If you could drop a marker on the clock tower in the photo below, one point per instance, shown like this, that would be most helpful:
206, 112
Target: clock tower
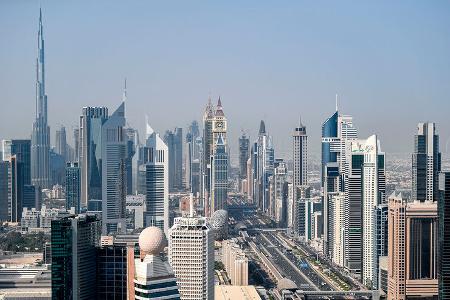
219, 125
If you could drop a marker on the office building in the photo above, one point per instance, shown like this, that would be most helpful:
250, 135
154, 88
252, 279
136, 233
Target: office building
90, 152
278, 197
157, 183
22, 150
383, 274
219, 176
4, 190
444, 235
412, 249
73, 186
61, 143
114, 187
40, 138
365, 190
208, 119
300, 155
111, 272
76, 144
265, 157
338, 217
73, 242
153, 277
244, 154
192, 157
174, 142
191, 255
235, 262
426, 163
302, 195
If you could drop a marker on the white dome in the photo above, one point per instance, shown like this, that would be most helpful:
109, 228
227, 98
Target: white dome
152, 240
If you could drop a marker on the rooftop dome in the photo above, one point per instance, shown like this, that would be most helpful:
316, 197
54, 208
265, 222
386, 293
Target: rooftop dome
286, 284
152, 240
219, 218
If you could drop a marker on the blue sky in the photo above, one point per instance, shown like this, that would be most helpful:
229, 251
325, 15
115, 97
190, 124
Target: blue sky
389, 62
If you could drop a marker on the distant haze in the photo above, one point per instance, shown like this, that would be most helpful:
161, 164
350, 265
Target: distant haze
389, 62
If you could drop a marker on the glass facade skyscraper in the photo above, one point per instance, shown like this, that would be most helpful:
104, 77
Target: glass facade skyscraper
40, 138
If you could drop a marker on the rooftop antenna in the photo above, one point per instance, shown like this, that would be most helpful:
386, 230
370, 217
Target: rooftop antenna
124, 97
336, 102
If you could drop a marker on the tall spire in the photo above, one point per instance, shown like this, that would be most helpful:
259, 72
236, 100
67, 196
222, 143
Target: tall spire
124, 97
336, 102
41, 97
40, 138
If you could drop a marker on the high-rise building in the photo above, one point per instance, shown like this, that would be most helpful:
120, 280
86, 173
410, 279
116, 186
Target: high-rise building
278, 199
444, 235
412, 248
61, 142
40, 138
235, 262
76, 144
426, 163
192, 156
219, 176
153, 277
157, 183
338, 221
208, 119
111, 272
191, 255
244, 154
73, 186
73, 242
114, 187
22, 150
300, 155
4, 190
337, 130
265, 157
365, 191
174, 142
90, 152
302, 195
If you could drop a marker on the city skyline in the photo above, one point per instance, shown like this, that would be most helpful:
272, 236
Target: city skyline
306, 89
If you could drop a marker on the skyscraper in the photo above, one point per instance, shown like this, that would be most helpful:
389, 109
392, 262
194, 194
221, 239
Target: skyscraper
73, 186
244, 151
114, 187
90, 152
412, 248
300, 155
444, 235
4, 190
174, 142
193, 268
40, 138
208, 119
192, 156
219, 178
365, 191
76, 144
265, 157
337, 130
157, 183
73, 242
426, 163
22, 150
61, 142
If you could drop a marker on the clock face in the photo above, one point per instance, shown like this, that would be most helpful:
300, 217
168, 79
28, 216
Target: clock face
219, 124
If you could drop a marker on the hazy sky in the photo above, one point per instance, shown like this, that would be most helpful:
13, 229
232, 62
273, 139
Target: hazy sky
389, 62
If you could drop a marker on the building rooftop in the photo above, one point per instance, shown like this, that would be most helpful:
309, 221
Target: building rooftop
233, 292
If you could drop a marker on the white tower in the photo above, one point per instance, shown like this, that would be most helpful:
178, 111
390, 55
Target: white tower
191, 255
